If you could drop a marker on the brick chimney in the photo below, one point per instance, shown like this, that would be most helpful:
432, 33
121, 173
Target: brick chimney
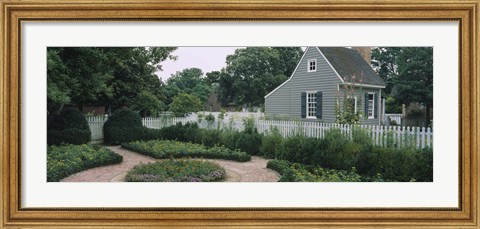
365, 52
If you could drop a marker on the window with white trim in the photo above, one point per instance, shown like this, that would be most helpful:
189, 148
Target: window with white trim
371, 105
312, 65
311, 104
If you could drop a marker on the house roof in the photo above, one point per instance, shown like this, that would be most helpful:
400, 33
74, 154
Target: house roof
348, 62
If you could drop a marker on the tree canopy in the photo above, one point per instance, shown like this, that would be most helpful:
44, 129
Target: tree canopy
189, 81
102, 75
253, 72
408, 72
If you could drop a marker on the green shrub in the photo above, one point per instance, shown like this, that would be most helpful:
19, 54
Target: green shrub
185, 133
333, 155
210, 117
167, 149
76, 136
176, 171
296, 172
184, 104
210, 137
70, 127
228, 138
300, 149
125, 125
397, 164
272, 144
424, 165
361, 136
63, 161
248, 140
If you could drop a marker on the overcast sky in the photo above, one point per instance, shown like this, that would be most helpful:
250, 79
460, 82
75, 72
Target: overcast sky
206, 58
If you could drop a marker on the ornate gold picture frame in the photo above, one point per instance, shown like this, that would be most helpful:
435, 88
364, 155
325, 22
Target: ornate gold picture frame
14, 13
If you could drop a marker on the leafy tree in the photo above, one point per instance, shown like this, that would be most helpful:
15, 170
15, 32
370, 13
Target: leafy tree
58, 90
226, 91
102, 76
289, 57
77, 75
147, 104
256, 71
384, 61
415, 80
134, 71
189, 81
185, 104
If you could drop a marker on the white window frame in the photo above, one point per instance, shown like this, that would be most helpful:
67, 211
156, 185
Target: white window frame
308, 65
307, 107
373, 106
355, 103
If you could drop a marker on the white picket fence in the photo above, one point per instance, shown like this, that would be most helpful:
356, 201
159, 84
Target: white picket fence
399, 136
395, 117
96, 126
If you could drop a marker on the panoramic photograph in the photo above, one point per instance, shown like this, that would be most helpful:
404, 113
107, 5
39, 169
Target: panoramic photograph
240, 114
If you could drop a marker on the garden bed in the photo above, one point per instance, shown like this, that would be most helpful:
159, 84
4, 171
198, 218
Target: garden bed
176, 170
63, 161
162, 149
296, 172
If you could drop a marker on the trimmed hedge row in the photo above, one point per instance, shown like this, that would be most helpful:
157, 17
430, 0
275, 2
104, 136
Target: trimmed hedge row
296, 172
63, 161
334, 151
248, 140
175, 170
69, 127
162, 149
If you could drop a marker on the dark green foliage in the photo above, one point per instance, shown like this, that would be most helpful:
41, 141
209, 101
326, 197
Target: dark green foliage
76, 136
63, 161
361, 136
210, 137
290, 147
185, 133
70, 127
124, 118
249, 140
125, 125
210, 118
424, 165
272, 144
332, 154
295, 172
228, 138
335, 151
167, 149
397, 164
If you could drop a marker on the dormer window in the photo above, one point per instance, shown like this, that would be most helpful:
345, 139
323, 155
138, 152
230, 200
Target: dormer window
312, 65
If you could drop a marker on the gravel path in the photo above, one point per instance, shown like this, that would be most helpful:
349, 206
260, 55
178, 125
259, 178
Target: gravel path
251, 171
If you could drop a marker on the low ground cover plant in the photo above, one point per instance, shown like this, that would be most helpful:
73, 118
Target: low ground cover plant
176, 170
63, 161
162, 149
296, 172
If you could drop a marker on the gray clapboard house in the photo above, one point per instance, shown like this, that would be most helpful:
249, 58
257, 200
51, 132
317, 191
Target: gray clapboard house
316, 86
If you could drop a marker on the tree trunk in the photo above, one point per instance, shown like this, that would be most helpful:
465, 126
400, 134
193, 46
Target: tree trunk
427, 116
80, 107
